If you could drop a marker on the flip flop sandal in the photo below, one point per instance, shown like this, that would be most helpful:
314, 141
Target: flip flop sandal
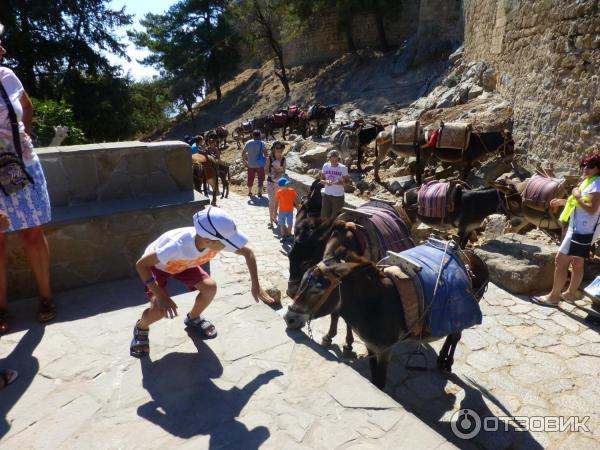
4, 322
47, 310
140, 344
540, 301
203, 325
8, 376
567, 300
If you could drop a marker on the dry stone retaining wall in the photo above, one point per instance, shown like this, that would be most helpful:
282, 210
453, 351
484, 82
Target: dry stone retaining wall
547, 57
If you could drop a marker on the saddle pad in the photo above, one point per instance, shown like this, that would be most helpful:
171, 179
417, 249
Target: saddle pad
279, 118
412, 303
432, 199
247, 125
454, 135
406, 133
293, 111
540, 190
451, 307
386, 229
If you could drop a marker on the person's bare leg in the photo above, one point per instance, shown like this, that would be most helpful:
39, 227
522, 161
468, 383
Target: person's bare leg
576, 278
282, 231
561, 272
3, 269
207, 290
38, 254
289, 230
150, 315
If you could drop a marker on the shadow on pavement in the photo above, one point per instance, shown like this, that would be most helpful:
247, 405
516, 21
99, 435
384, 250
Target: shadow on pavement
186, 403
424, 393
22, 360
258, 201
87, 302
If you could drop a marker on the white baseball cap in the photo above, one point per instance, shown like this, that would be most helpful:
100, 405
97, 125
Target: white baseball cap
215, 224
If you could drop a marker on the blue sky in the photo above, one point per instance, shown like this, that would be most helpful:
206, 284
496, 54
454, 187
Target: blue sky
139, 8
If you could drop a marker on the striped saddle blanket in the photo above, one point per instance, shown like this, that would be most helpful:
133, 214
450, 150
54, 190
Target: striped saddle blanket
384, 230
540, 190
436, 199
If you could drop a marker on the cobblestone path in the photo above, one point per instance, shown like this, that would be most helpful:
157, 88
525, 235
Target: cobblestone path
524, 360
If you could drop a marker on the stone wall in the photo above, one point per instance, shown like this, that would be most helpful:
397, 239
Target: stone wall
79, 174
547, 57
109, 201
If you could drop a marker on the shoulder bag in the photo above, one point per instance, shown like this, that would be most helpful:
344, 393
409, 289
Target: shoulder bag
13, 175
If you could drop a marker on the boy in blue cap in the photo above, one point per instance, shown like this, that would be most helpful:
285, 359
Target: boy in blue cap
285, 202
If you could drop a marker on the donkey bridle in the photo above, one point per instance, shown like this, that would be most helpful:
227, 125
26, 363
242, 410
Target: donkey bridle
334, 283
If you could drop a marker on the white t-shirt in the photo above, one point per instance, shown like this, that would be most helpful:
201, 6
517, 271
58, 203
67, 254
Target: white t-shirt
335, 174
15, 90
582, 221
176, 251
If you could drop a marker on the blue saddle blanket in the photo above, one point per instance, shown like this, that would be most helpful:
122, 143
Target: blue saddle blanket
451, 307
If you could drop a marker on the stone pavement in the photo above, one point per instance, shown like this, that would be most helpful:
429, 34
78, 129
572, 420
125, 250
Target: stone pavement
523, 360
257, 385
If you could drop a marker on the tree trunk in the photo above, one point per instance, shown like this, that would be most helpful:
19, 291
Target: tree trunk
349, 38
381, 31
217, 84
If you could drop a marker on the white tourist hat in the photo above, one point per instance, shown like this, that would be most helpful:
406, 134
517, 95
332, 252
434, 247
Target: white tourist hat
214, 223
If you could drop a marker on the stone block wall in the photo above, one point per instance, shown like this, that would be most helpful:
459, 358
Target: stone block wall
79, 174
547, 57
109, 201
324, 42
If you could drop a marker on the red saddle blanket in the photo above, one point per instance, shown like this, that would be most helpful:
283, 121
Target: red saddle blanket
540, 190
279, 118
436, 199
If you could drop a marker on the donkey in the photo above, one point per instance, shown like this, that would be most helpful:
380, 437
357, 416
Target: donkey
207, 171
359, 138
369, 302
310, 207
471, 207
325, 239
481, 145
321, 116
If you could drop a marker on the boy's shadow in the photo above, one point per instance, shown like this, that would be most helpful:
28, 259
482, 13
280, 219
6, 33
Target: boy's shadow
22, 360
186, 403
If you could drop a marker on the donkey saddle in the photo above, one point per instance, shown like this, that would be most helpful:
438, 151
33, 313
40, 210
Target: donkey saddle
436, 198
441, 284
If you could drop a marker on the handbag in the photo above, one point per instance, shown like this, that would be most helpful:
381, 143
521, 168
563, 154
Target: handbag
581, 243
13, 175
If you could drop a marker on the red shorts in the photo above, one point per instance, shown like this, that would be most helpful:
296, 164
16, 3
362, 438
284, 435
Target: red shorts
190, 277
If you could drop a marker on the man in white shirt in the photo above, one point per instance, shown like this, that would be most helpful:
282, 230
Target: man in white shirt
334, 177
179, 254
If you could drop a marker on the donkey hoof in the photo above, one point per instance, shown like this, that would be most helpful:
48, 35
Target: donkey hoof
326, 341
348, 353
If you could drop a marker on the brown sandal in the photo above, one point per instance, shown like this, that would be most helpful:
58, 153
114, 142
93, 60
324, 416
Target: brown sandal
47, 310
4, 322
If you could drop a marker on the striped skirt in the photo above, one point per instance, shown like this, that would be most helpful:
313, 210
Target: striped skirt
29, 207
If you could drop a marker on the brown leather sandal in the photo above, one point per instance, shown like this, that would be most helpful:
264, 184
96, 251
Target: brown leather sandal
47, 310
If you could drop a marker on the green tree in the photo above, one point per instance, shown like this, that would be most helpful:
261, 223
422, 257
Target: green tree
192, 43
48, 40
150, 101
263, 22
49, 114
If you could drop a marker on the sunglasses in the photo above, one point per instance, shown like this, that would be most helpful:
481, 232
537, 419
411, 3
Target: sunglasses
588, 166
278, 148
